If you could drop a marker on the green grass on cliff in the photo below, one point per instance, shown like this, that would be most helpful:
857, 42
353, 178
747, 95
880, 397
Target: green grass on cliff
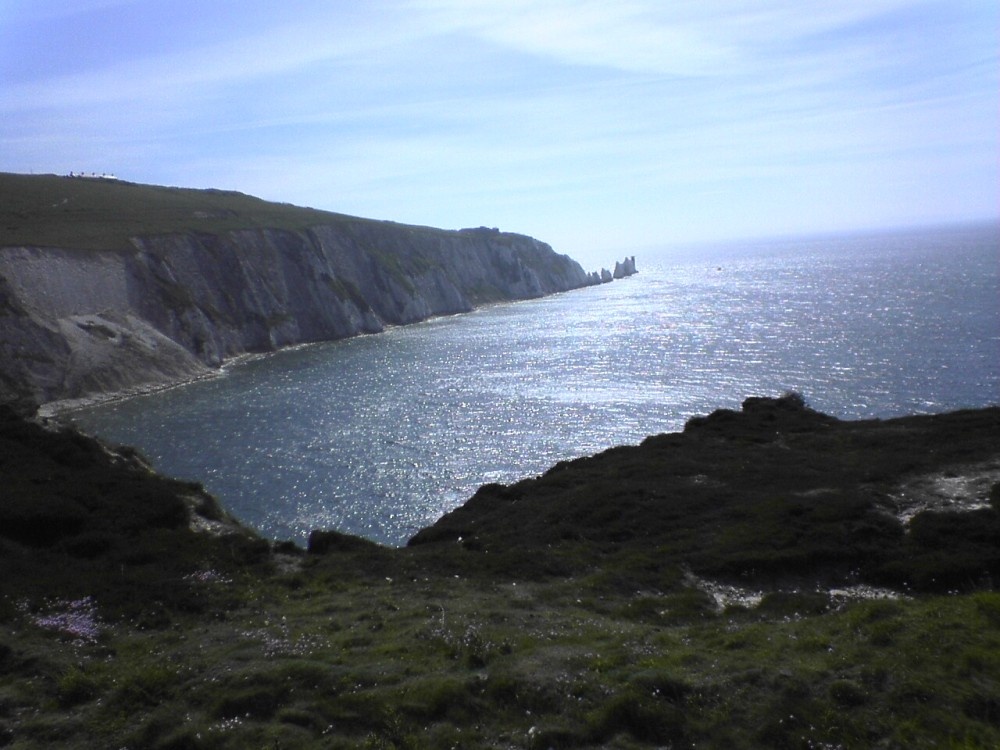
610, 603
331, 657
94, 214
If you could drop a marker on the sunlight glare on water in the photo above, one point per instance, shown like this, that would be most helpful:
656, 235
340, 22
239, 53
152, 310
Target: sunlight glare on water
380, 435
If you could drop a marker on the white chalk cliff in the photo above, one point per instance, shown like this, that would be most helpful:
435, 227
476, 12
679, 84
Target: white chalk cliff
80, 323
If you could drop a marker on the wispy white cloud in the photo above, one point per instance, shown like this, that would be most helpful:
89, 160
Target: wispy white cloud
704, 38
627, 36
655, 117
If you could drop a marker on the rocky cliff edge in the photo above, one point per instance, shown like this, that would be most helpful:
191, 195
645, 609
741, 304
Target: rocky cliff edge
160, 308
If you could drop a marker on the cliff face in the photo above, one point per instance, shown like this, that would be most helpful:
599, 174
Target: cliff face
79, 323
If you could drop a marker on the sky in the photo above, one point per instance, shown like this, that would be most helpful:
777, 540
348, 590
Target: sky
600, 127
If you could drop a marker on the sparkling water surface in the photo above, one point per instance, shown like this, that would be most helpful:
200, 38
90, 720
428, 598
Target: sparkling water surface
380, 435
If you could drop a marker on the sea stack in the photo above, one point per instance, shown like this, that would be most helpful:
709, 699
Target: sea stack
625, 268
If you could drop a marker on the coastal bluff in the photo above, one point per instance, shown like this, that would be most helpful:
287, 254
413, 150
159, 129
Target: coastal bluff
110, 286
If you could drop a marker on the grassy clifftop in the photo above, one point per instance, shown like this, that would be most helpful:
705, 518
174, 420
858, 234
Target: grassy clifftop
96, 214
100, 214
769, 578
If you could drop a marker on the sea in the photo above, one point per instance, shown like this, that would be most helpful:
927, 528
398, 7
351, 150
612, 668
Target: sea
380, 435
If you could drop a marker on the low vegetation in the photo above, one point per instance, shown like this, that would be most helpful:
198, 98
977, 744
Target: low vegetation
94, 214
90, 213
769, 578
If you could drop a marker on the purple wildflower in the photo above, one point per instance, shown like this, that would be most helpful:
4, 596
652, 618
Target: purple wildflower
76, 619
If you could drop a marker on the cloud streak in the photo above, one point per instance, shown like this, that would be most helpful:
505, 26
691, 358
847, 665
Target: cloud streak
570, 120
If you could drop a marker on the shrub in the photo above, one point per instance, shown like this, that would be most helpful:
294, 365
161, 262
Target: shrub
793, 399
555, 736
256, 701
439, 698
988, 604
76, 687
641, 715
327, 542
848, 693
146, 686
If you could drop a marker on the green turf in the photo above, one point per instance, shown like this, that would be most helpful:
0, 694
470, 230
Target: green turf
94, 214
684, 593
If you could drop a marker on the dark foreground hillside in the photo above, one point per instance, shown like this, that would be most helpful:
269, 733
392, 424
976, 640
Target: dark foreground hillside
768, 578
774, 495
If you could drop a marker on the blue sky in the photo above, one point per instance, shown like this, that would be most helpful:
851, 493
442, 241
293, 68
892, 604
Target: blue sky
600, 127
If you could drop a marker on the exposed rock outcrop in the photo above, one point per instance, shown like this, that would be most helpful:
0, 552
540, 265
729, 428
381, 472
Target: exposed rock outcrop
80, 323
624, 268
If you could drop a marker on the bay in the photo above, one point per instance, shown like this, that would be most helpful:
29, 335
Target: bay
380, 435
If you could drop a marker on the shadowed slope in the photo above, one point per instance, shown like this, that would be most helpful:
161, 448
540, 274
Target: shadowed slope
774, 492
592, 607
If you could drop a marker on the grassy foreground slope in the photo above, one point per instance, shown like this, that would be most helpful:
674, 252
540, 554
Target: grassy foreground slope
768, 578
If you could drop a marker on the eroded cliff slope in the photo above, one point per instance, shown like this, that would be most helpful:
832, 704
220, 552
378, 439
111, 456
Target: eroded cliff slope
165, 284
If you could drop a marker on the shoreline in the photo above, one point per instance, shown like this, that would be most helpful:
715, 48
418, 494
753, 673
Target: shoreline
55, 409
